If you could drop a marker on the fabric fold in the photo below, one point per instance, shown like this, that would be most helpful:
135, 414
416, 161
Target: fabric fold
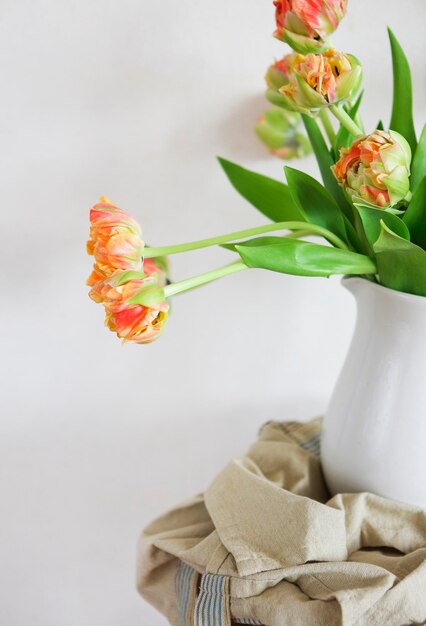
290, 531
266, 536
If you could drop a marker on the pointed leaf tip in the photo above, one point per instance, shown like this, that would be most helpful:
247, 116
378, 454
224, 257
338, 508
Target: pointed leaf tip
269, 196
402, 105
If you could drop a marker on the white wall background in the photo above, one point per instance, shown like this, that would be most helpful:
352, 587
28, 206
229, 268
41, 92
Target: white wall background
133, 99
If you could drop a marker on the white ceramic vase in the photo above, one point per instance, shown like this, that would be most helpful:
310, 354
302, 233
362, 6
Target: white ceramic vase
374, 436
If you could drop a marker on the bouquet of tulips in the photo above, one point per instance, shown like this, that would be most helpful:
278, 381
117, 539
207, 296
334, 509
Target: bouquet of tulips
370, 210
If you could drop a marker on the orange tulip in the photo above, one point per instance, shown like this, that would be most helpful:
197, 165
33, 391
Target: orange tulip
135, 306
115, 241
375, 169
158, 268
278, 74
317, 81
306, 24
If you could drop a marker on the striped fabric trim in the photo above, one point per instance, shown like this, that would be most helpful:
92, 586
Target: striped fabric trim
306, 435
212, 608
247, 620
186, 591
312, 445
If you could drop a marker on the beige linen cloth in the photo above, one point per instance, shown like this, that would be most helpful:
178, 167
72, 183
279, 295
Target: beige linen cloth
265, 545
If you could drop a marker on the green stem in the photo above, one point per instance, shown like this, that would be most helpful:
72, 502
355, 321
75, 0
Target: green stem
298, 234
312, 229
345, 120
359, 122
328, 126
203, 279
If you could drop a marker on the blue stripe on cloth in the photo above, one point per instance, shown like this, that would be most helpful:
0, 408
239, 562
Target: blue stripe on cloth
186, 581
247, 620
212, 608
312, 445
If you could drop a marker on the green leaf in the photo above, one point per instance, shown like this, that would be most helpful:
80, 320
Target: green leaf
292, 256
269, 196
415, 215
315, 202
418, 166
401, 264
372, 218
325, 162
258, 241
380, 125
344, 138
402, 108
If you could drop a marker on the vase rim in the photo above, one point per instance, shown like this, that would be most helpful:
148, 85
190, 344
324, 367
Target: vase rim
400, 295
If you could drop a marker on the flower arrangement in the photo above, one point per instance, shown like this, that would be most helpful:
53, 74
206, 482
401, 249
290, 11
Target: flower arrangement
370, 210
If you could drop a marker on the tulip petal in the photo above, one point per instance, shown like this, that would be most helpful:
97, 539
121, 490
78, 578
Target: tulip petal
404, 145
398, 184
277, 98
290, 104
311, 97
304, 44
151, 295
348, 83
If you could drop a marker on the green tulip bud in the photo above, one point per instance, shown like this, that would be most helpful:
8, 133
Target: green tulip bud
277, 129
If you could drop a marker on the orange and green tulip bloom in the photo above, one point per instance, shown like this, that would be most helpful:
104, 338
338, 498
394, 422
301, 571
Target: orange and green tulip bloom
115, 241
375, 169
306, 24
